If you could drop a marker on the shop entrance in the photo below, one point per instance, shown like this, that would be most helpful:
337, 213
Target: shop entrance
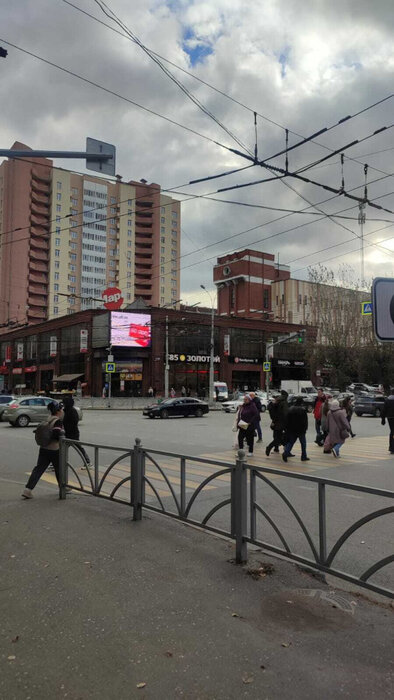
245, 381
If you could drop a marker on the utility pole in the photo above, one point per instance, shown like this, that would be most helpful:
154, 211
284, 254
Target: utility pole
361, 221
167, 366
110, 358
212, 348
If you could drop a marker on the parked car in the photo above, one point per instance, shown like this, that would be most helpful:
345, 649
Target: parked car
5, 399
29, 409
356, 387
370, 404
232, 406
177, 407
308, 400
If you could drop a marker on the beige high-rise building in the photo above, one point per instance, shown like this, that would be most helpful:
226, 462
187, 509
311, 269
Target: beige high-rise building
65, 238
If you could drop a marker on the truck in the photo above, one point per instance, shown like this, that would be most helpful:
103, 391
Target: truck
295, 386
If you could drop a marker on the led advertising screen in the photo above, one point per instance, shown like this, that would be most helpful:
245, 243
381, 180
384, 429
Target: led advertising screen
130, 330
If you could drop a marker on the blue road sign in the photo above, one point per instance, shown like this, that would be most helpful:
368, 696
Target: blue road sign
110, 367
366, 308
267, 366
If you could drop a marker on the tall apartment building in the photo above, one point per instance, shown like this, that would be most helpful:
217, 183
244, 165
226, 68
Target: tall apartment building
65, 238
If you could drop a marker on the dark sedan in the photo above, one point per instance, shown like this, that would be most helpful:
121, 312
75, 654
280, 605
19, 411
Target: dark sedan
308, 400
177, 407
371, 405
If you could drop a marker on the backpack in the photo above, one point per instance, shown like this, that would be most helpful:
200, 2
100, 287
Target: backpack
43, 433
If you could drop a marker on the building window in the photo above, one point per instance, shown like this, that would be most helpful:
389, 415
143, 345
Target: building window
163, 221
113, 200
56, 287
74, 201
73, 256
73, 246
162, 270
59, 185
58, 196
58, 219
129, 244
56, 275
57, 241
56, 298
74, 234
58, 207
162, 229
129, 233
74, 190
57, 253
162, 239
161, 300
129, 222
129, 202
113, 210
162, 290
128, 296
71, 301
162, 210
55, 310
57, 265
57, 229
277, 300
162, 249
162, 260
128, 286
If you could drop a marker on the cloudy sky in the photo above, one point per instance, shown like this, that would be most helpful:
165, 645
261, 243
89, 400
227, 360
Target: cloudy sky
301, 66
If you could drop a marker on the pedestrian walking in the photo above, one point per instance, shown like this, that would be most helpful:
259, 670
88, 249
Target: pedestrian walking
150, 392
297, 425
183, 391
338, 428
388, 414
172, 392
278, 410
348, 406
188, 391
259, 407
47, 436
70, 425
246, 419
317, 409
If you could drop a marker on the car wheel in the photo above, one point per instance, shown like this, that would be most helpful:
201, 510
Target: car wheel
358, 414
150, 416
377, 413
263, 409
164, 413
22, 421
198, 413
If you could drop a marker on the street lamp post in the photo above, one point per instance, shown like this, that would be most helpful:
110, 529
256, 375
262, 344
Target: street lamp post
211, 356
167, 366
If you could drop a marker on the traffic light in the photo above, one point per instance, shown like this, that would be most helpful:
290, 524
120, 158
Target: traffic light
3, 52
301, 336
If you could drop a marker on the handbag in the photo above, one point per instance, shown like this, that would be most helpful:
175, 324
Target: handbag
243, 424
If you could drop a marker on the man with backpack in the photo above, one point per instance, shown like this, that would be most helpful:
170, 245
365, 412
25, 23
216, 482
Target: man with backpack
47, 437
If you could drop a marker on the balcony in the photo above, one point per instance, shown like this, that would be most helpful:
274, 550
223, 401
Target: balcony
36, 314
35, 278
39, 175
39, 187
39, 199
38, 243
38, 266
37, 301
142, 224
38, 255
39, 210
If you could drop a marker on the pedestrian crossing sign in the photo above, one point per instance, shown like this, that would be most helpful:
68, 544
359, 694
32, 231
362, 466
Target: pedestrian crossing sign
110, 367
366, 308
267, 366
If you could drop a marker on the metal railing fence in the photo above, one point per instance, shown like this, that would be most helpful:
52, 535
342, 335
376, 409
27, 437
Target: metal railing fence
137, 477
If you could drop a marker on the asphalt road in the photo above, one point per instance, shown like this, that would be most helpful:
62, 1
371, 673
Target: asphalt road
365, 460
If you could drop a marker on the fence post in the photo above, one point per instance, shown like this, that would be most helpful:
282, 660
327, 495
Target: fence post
63, 450
322, 524
137, 479
239, 508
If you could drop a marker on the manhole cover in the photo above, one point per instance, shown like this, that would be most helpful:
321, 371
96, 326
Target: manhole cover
309, 608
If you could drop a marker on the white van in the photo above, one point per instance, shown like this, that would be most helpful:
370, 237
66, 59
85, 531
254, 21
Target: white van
221, 391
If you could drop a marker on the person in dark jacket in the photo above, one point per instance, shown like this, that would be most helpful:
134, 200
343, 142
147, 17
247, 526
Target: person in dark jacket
247, 413
259, 407
388, 414
70, 423
49, 454
278, 410
297, 425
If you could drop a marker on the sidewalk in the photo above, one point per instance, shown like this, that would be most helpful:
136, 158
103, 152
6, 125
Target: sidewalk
92, 605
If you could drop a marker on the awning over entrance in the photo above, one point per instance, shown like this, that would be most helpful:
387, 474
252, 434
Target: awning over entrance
67, 377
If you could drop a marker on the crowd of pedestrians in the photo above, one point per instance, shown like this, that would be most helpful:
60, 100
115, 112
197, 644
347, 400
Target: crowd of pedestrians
289, 424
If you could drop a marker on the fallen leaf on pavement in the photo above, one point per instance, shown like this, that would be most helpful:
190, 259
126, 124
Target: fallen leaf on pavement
262, 666
11, 658
247, 679
169, 654
234, 615
15, 639
285, 644
141, 685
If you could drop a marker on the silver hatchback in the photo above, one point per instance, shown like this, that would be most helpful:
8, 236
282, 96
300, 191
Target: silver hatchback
29, 409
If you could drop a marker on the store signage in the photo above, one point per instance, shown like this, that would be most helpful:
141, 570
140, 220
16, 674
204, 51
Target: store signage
288, 363
83, 340
19, 351
29, 370
246, 360
53, 346
113, 299
226, 345
8, 353
17, 370
180, 357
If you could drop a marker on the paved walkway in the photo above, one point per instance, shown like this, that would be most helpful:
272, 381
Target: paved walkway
94, 606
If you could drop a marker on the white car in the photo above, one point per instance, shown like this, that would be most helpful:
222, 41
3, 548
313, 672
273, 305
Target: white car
232, 406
